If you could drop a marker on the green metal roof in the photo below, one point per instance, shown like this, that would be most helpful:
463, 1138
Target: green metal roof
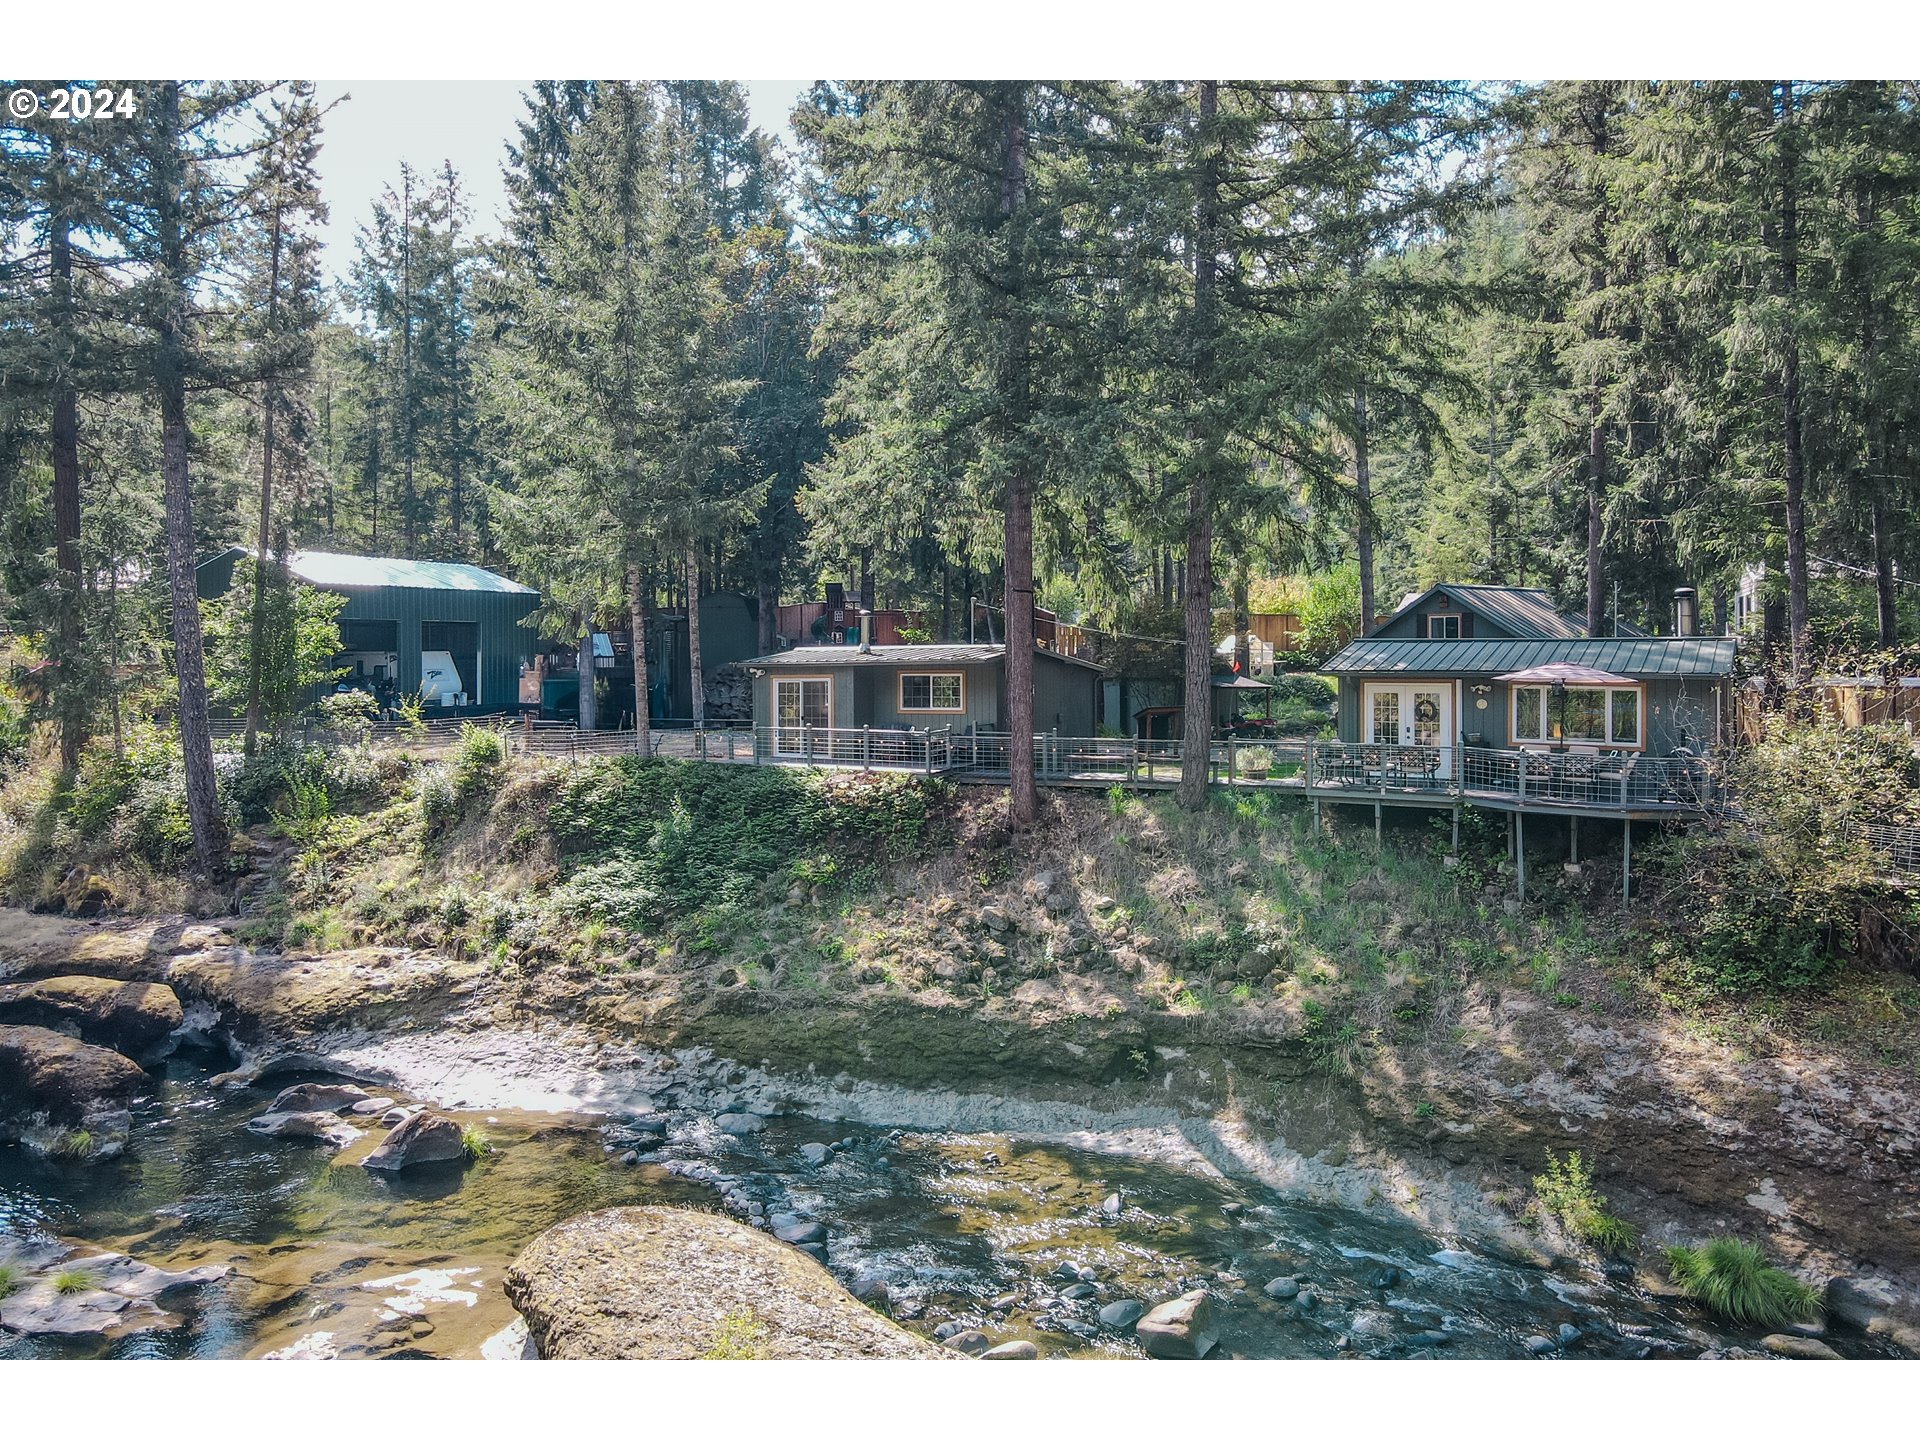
372, 572
1710, 655
1517, 609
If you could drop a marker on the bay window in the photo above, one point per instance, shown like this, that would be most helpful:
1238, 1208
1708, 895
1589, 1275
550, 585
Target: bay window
1583, 714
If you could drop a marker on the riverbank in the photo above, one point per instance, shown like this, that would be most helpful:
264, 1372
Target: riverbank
1355, 1025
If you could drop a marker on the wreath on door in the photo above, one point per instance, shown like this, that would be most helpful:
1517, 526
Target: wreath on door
1426, 710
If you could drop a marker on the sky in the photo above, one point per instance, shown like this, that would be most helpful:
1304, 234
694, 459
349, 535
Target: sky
426, 122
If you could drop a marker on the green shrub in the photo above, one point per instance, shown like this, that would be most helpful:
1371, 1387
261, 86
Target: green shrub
74, 1282
644, 840
1308, 691
1774, 899
474, 1143
348, 712
1732, 1279
477, 757
1566, 1192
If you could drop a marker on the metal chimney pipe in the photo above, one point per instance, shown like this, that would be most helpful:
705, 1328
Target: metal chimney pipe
1686, 611
866, 630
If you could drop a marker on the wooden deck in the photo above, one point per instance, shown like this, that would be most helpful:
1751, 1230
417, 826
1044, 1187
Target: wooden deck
1541, 782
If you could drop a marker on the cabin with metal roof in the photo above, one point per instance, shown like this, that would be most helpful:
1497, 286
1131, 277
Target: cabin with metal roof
1500, 667
959, 688
450, 633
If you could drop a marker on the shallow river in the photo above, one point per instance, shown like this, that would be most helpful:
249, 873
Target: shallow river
330, 1259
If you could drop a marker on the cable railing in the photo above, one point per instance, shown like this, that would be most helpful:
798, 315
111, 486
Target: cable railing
1331, 770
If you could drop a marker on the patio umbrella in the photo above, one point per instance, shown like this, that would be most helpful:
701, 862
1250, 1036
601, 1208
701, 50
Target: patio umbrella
1564, 672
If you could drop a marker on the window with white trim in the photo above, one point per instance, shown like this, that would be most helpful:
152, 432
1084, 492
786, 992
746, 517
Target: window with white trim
937, 691
1443, 627
1589, 714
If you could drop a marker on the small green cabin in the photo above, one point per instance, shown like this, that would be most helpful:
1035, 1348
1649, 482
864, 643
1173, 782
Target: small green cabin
917, 687
1503, 667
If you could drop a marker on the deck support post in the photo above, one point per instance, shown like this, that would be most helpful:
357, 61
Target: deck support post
1376, 824
1626, 861
866, 747
1318, 828
1456, 829
1573, 839
1230, 764
1520, 852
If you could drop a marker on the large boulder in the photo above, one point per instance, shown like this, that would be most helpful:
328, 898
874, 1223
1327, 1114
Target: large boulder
111, 1294
321, 1125
320, 1096
419, 1139
43, 1070
134, 1016
1180, 1329
654, 1283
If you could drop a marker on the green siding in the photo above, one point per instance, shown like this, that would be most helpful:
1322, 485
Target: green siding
1677, 711
504, 642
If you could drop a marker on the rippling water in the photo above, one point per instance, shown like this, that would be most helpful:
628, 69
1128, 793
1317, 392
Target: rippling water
954, 1224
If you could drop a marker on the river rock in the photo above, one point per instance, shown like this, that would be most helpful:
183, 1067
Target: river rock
321, 1125
118, 1301
796, 1231
1121, 1313
1110, 1205
43, 1070
1540, 1345
1799, 1347
419, 1139
1857, 1302
657, 1283
968, 1342
814, 1153
1082, 1291
318, 1096
1181, 1329
135, 1016
741, 1123
1012, 1350
1282, 1287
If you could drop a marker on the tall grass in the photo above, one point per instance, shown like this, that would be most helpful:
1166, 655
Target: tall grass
1732, 1279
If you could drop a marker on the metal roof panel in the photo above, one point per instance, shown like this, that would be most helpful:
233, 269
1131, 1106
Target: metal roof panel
1709, 655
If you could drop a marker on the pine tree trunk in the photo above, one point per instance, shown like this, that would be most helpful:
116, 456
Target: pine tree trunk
1363, 494
170, 362
1887, 615
1242, 642
66, 497
766, 599
1797, 637
637, 623
1596, 532
1197, 573
1017, 586
256, 640
583, 658
696, 673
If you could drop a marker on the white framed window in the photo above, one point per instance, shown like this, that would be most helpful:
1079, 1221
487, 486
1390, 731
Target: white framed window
1583, 714
935, 691
1443, 627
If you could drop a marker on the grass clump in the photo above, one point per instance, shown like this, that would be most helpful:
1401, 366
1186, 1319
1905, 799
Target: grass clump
9, 1280
1732, 1279
1566, 1192
74, 1282
474, 1143
740, 1336
74, 1145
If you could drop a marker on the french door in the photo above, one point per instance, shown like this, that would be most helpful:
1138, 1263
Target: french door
1419, 713
798, 706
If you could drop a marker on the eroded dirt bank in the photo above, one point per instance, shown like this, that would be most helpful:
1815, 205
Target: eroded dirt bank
1690, 1138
